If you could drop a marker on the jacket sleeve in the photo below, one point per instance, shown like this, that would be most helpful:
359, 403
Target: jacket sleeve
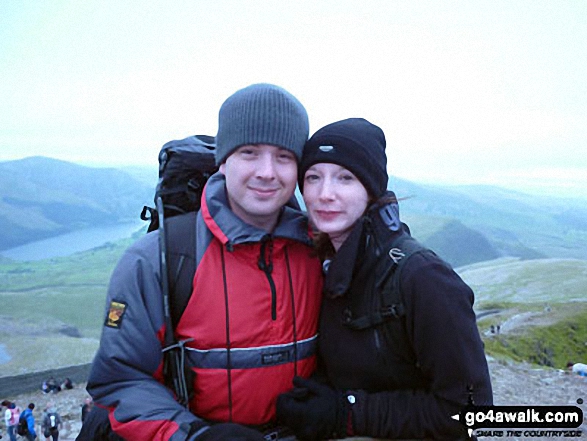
441, 326
124, 371
30, 420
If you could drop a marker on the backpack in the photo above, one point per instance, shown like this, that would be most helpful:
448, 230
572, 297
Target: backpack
14, 416
184, 168
23, 427
51, 420
400, 249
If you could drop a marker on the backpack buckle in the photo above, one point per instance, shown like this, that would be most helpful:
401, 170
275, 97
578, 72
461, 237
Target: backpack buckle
396, 255
392, 311
347, 316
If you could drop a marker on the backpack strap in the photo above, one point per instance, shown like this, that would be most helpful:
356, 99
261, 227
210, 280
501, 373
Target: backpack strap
400, 251
177, 246
181, 259
394, 256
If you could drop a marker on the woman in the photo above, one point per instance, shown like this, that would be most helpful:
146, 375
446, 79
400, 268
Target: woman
396, 362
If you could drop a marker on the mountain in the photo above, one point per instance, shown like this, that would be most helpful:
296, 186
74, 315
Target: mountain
511, 223
42, 197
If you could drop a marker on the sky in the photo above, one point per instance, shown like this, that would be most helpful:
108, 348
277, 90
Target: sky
467, 92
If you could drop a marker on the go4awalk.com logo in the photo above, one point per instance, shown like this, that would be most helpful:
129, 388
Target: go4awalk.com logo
522, 421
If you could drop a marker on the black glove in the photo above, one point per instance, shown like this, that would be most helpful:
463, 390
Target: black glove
230, 432
313, 410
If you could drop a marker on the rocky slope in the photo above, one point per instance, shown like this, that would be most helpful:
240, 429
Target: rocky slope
513, 384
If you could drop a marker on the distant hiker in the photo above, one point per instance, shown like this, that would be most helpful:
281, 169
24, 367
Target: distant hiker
11, 416
250, 325
492, 328
51, 423
498, 328
15, 412
7, 414
52, 385
577, 368
26, 423
86, 407
398, 341
67, 384
45, 387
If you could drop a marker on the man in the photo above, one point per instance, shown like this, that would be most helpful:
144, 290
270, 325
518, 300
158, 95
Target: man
577, 368
250, 324
27, 414
51, 424
87, 406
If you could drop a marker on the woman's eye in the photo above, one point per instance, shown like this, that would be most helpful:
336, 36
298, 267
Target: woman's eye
346, 177
310, 178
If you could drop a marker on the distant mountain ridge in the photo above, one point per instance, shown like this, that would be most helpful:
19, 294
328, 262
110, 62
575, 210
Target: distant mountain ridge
42, 197
513, 223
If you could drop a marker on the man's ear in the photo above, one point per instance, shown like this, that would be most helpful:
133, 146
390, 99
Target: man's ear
222, 168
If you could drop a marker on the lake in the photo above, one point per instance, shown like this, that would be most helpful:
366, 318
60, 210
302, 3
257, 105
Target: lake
74, 242
4, 357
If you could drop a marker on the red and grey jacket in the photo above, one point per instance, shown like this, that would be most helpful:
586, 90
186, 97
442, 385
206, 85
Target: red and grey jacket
250, 325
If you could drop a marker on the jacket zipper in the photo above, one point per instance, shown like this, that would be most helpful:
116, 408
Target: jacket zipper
266, 265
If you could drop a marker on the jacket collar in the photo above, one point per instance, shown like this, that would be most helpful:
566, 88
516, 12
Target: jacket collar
379, 220
232, 230
341, 268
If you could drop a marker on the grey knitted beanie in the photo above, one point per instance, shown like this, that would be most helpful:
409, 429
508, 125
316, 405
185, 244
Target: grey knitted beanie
261, 114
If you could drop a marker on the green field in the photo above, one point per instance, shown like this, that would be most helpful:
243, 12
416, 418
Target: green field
541, 306
45, 302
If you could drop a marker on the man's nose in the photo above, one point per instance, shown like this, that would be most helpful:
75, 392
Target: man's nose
266, 167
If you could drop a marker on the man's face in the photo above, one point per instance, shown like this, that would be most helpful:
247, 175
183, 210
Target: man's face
260, 179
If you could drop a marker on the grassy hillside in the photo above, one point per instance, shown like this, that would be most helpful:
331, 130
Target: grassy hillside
515, 224
536, 281
42, 197
451, 240
542, 308
52, 310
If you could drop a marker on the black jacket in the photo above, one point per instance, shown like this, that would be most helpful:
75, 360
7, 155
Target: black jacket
410, 373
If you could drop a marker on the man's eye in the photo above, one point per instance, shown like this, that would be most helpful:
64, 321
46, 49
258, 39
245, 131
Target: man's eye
347, 177
286, 156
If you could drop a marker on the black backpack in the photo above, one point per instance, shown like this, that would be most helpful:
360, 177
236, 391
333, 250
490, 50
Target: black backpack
400, 248
184, 167
23, 427
51, 421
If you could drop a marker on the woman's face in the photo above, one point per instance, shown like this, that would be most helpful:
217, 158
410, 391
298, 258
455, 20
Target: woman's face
335, 199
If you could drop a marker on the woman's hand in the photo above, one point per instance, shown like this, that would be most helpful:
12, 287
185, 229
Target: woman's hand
313, 410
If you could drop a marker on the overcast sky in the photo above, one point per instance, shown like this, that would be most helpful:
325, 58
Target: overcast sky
466, 91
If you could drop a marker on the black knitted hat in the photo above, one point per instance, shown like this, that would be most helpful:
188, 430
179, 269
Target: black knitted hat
354, 144
261, 114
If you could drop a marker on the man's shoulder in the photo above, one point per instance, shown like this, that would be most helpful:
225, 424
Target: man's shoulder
145, 244
293, 224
